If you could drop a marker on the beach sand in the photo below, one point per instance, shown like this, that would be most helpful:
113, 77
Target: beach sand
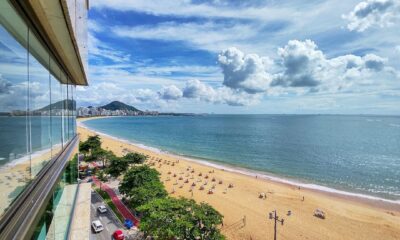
246, 215
14, 177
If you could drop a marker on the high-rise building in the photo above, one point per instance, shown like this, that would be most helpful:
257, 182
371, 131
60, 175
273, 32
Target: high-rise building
43, 57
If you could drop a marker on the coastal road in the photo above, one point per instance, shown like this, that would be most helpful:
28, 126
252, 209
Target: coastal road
108, 219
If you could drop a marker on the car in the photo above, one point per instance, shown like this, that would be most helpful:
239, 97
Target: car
97, 226
102, 209
118, 235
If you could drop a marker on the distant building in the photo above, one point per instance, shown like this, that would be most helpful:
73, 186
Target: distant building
97, 111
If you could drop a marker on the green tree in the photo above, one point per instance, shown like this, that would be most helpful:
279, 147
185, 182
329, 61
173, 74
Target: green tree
136, 176
84, 148
94, 141
101, 175
135, 158
102, 155
89, 147
170, 218
117, 166
145, 193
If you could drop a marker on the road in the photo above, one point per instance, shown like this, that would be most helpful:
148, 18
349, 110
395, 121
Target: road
108, 219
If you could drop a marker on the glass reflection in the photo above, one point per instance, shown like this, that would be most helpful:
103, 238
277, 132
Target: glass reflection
37, 111
39, 105
64, 93
14, 141
56, 110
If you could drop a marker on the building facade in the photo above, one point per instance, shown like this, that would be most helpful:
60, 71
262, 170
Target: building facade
43, 57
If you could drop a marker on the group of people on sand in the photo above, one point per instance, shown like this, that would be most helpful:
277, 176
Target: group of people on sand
183, 178
189, 176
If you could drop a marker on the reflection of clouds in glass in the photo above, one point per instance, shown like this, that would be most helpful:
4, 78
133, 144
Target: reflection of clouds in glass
39, 88
4, 86
15, 98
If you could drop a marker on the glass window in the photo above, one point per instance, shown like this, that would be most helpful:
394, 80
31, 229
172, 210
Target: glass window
56, 219
70, 112
39, 104
56, 110
64, 91
73, 110
37, 109
14, 147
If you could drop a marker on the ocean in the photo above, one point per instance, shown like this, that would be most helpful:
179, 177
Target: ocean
356, 154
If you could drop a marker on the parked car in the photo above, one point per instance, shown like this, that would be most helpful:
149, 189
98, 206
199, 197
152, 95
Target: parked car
102, 209
118, 235
97, 226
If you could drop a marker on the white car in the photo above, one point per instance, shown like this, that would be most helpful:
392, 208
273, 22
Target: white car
97, 226
102, 209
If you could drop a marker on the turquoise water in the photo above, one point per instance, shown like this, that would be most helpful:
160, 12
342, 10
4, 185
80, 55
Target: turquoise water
360, 154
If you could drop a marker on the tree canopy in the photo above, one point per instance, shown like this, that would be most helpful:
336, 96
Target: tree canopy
94, 141
91, 148
171, 218
136, 176
117, 166
102, 154
145, 193
135, 158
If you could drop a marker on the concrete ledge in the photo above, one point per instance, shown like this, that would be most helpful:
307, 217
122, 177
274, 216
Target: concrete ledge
80, 225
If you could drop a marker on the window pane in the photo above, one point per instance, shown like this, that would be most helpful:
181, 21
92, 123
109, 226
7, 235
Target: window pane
64, 88
56, 111
73, 110
14, 154
70, 112
39, 105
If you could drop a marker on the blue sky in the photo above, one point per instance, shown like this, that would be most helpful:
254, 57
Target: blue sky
320, 56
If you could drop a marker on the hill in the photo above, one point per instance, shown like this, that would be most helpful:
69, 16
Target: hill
116, 105
67, 103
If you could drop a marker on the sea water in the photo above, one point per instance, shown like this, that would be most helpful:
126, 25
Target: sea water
359, 154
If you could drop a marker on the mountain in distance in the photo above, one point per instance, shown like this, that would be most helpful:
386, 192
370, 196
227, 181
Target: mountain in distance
63, 104
117, 105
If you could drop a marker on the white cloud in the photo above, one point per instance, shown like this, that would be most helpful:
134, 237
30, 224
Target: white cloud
93, 26
170, 93
5, 86
247, 72
299, 68
98, 50
209, 35
370, 13
302, 62
186, 8
304, 65
195, 89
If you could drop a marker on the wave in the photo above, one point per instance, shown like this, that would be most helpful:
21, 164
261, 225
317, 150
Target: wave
249, 172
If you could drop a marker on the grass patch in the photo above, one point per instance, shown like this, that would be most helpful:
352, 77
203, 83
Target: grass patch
109, 202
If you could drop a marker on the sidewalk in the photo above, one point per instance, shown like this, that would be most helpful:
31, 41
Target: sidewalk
126, 213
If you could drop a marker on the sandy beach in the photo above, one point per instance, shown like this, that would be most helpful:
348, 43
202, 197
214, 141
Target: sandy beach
246, 215
18, 173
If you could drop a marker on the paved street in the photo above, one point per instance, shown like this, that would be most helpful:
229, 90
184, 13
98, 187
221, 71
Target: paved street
108, 219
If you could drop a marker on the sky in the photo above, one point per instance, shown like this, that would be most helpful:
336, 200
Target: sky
217, 56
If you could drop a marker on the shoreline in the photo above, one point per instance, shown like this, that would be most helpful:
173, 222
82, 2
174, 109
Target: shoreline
369, 200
